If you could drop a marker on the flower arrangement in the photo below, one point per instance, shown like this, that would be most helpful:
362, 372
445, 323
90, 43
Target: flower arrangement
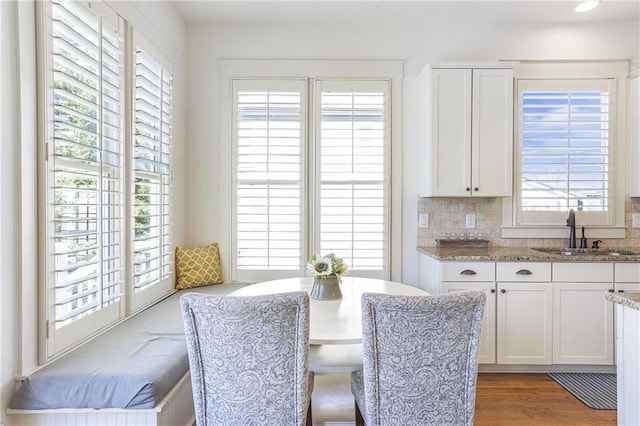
326, 266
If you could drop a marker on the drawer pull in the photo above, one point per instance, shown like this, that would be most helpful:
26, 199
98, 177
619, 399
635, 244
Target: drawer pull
468, 272
524, 272
620, 291
610, 290
503, 291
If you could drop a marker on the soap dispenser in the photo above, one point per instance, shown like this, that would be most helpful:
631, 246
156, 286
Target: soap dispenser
583, 240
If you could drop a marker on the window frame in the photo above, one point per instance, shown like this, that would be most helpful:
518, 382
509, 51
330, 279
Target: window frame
266, 69
614, 226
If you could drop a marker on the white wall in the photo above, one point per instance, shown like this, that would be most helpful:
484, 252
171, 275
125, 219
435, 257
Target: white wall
410, 39
18, 210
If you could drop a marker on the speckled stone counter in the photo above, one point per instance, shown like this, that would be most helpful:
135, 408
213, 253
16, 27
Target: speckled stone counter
515, 254
631, 300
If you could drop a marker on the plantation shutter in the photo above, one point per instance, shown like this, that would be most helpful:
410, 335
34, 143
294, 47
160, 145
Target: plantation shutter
352, 173
84, 177
565, 149
152, 236
269, 178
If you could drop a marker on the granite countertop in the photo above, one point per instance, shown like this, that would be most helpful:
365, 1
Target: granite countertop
631, 300
513, 254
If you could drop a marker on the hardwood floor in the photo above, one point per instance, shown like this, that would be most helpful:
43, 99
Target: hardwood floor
501, 399
531, 399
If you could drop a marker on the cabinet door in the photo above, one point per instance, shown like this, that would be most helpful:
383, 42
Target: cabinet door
523, 323
488, 336
450, 145
582, 323
492, 132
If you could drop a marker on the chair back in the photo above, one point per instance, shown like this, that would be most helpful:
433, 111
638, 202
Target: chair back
420, 358
248, 358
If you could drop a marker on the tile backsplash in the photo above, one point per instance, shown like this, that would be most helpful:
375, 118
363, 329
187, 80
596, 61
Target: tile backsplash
447, 218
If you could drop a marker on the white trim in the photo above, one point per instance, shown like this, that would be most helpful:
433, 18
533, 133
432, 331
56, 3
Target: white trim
470, 65
251, 68
393, 71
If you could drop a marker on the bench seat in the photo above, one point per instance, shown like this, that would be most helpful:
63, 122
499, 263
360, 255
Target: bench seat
134, 365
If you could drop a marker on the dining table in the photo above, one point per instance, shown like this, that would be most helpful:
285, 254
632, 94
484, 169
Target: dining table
335, 326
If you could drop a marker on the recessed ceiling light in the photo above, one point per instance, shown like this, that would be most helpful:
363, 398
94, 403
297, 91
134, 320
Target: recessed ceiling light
587, 5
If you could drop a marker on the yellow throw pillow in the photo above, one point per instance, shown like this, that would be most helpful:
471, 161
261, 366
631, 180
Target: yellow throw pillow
198, 266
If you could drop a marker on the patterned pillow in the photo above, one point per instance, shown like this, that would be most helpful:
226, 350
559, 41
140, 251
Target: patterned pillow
198, 266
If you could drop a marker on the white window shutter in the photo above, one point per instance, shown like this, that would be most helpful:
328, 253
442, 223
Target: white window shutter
565, 150
269, 177
152, 229
85, 173
352, 178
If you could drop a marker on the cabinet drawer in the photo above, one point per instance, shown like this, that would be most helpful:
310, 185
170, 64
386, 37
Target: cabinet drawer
591, 272
468, 271
524, 271
627, 272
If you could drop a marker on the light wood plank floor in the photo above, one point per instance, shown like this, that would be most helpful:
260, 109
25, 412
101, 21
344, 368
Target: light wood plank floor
502, 399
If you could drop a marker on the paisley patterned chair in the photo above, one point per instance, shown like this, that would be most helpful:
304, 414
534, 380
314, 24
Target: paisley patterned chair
248, 358
420, 359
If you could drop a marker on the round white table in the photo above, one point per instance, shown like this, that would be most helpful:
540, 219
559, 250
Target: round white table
333, 321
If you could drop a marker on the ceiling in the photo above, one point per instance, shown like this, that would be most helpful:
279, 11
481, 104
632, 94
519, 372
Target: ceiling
378, 12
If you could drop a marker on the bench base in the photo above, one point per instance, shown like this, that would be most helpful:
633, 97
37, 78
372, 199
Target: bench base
176, 409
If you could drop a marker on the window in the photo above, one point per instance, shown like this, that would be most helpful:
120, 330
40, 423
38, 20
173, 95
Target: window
85, 202
352, 172
152, 245
569, 149
283, 172
269, 174
564, 149
85, 180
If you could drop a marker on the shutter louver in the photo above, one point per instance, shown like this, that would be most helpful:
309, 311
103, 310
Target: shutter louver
85, 189
153, 256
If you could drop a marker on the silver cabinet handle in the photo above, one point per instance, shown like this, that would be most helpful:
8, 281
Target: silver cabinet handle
468, 272
524, 272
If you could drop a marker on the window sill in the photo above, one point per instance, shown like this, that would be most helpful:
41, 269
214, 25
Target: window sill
562, 232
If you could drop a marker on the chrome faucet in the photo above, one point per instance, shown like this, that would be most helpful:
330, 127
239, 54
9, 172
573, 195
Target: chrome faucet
571, 223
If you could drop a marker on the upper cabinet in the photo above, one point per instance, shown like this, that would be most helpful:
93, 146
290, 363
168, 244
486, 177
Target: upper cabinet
634, 133
470, 143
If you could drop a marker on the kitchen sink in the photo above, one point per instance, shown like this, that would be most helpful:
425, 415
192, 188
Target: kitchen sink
587, 252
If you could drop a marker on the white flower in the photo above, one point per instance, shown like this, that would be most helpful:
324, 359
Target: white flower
320, 267
323, 266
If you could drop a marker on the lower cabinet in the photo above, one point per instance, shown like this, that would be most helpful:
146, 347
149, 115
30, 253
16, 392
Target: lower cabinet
540, 312
524, 314
582, 318
524, 323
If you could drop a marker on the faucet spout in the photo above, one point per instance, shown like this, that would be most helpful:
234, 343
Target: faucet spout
571, 223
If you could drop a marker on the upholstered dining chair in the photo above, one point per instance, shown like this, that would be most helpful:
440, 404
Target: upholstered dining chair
248, 358
420, 359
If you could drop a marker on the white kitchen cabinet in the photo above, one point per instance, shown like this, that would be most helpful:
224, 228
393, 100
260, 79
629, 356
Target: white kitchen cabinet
582, 318
470, 144
634, 134
523, 306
